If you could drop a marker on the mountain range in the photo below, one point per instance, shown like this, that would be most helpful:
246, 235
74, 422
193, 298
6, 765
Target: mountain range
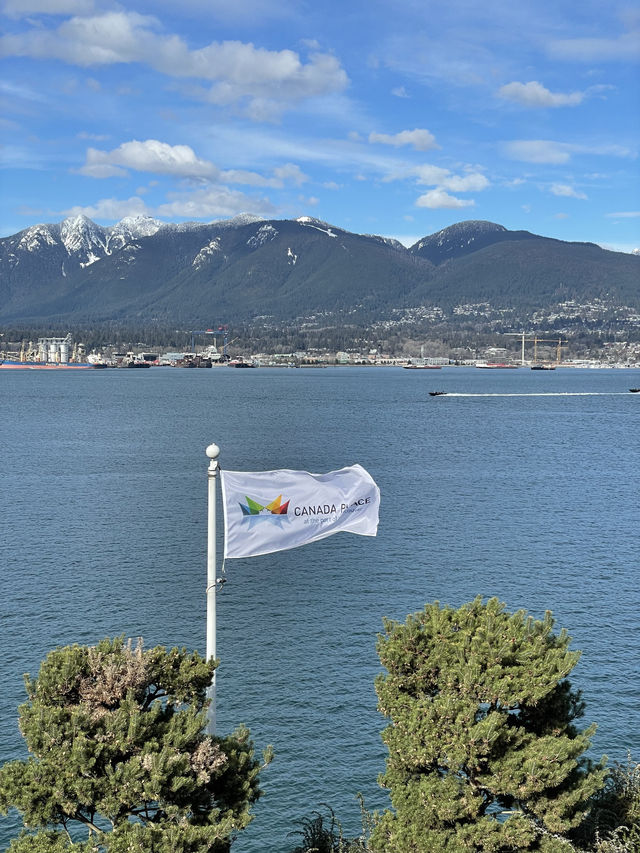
246, 269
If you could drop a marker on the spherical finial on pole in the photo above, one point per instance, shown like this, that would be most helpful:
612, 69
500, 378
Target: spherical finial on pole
213, 451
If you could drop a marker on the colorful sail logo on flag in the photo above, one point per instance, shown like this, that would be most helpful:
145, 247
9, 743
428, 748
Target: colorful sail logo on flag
252, 507
316, 506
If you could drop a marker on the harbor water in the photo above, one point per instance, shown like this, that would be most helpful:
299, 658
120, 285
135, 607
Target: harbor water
516, 483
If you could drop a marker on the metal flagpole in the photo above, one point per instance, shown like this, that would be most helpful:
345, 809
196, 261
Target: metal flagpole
212, 452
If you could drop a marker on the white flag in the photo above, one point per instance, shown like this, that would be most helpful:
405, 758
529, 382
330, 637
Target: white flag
270, 511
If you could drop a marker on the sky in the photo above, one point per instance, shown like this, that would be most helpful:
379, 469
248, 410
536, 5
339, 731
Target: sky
389, 117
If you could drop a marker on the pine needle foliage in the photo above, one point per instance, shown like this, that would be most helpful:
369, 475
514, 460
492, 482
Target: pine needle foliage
484, 752
119, 759
615, 816
320, 836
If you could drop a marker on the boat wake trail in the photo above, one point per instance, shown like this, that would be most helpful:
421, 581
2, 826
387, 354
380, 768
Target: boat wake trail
543, 394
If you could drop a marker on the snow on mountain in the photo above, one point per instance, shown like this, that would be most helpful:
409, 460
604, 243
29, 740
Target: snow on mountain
318, 224
83, 239
35, 238
464, 238
141, 269
206, 253
182, 227
388, 241
462, 234
238, 221
132, 227
128, 230
262, 235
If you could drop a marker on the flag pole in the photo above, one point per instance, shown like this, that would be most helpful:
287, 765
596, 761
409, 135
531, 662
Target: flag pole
212, 452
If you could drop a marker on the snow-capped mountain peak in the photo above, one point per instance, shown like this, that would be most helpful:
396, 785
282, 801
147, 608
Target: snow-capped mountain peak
136, 226
32, 239
81, 236
463, 238
239, 220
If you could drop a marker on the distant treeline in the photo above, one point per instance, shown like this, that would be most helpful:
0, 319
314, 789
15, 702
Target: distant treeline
463, 341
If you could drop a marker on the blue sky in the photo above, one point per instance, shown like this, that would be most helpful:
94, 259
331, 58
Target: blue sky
392, 117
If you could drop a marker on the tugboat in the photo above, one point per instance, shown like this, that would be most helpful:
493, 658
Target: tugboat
635, 390
437, 393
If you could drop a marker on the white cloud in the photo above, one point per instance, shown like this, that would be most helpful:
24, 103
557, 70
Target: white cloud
471, 182
436, 176
442, 180
625, 214
430, 175
400, 92
242, 176
148, 156
622, 49
548, 151
235, 70
110, 209
421, 140
567, 191
534, 94
605, 150
289, 173
213, 202
94, 169
538, 151
438, 198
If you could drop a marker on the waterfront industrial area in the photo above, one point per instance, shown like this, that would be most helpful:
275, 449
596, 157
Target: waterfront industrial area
537, 352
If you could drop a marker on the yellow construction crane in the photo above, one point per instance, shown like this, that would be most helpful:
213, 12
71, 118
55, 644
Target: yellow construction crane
524, 337
559, 345
536, 340
535, 347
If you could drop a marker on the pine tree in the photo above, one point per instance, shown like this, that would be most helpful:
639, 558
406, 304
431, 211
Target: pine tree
119, 760
484, 754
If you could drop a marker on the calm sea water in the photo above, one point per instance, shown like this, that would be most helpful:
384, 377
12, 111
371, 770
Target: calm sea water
534, 499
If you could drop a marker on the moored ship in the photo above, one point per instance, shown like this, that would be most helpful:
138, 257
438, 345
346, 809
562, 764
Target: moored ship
419, 366
240, 362
496, 365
